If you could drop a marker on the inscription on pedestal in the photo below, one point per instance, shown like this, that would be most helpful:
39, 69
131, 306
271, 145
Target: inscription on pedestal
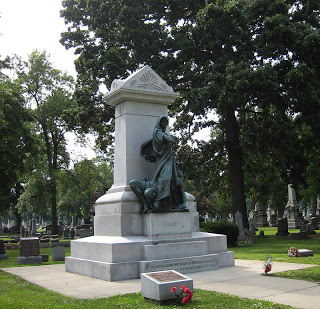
29, 246
184, 265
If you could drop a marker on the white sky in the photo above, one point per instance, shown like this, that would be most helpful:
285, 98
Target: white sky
26, 25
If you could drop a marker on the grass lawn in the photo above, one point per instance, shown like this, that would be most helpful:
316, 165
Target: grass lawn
32, 296
17, 293
277, 247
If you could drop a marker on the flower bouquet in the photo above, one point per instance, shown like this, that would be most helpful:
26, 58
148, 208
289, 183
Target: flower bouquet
184, 296
267, 265
293, 252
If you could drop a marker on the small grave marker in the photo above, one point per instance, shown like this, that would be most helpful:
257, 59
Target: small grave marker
157, 285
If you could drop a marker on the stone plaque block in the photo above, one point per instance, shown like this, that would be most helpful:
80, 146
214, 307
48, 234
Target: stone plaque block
24, 260
58, 253
305, 252
2, 251
45, 257
158, 285
29, 246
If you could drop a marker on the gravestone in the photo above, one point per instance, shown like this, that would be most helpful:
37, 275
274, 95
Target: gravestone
22, 232
3, 255
84, 233
294, 221
314, 221
310, 229
274, 220
127, 242
261, 216
1, 228
157, 285
238, 219
33, 226
72, 233
66, 233
58, 253
29, 251
282, 227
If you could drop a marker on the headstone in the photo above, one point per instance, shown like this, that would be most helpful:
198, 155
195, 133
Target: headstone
22, 232
66, 233
310, 229
72, 233
157, 285
294, 221
58, 253
315, 223
45, 257
274, 220
29, 251
33, 226
261, 216
269, 211
84, 233
3, 255
124, 241
252, 225
1, 228
282, 227
305, 252
250, 236
238, 219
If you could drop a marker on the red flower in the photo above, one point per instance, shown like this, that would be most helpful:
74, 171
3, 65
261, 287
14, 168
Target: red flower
187, 291
185, 300
183, 287
173, 289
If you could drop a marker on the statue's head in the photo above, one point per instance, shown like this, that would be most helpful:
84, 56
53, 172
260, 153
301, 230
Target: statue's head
163, 123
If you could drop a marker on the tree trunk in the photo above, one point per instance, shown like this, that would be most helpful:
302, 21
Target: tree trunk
235, 164
53, 202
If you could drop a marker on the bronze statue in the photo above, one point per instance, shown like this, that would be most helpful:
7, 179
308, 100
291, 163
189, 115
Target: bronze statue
165, 191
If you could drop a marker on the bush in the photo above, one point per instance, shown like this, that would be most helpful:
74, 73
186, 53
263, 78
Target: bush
230, 229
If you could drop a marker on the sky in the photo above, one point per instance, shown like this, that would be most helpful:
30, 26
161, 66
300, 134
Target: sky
26, 25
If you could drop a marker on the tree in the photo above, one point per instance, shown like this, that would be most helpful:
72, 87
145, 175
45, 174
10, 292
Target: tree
15, 139
76, 187
48, 93
241, 59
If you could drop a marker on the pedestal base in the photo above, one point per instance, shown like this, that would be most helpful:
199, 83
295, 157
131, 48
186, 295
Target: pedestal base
122, 258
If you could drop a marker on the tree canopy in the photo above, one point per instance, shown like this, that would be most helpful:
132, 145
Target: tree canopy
254, 63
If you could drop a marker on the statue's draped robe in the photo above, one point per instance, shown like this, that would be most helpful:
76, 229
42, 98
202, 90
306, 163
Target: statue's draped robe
165, 178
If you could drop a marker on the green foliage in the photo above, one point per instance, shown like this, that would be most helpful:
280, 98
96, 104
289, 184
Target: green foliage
255, 64
15, 139
227, 228
48, 96
76, 186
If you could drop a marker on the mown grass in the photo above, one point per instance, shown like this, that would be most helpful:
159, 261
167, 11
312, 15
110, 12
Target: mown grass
32, 296
277, 247
17, 293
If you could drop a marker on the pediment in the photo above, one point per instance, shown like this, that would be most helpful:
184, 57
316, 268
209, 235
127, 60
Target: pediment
145, 79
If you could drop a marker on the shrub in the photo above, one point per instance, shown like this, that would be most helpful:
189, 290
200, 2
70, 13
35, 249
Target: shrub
230, 229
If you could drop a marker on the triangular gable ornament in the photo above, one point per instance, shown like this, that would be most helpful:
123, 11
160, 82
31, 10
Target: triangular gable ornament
145, 79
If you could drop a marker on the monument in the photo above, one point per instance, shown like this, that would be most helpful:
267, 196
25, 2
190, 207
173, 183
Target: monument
294, 221
139, 227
